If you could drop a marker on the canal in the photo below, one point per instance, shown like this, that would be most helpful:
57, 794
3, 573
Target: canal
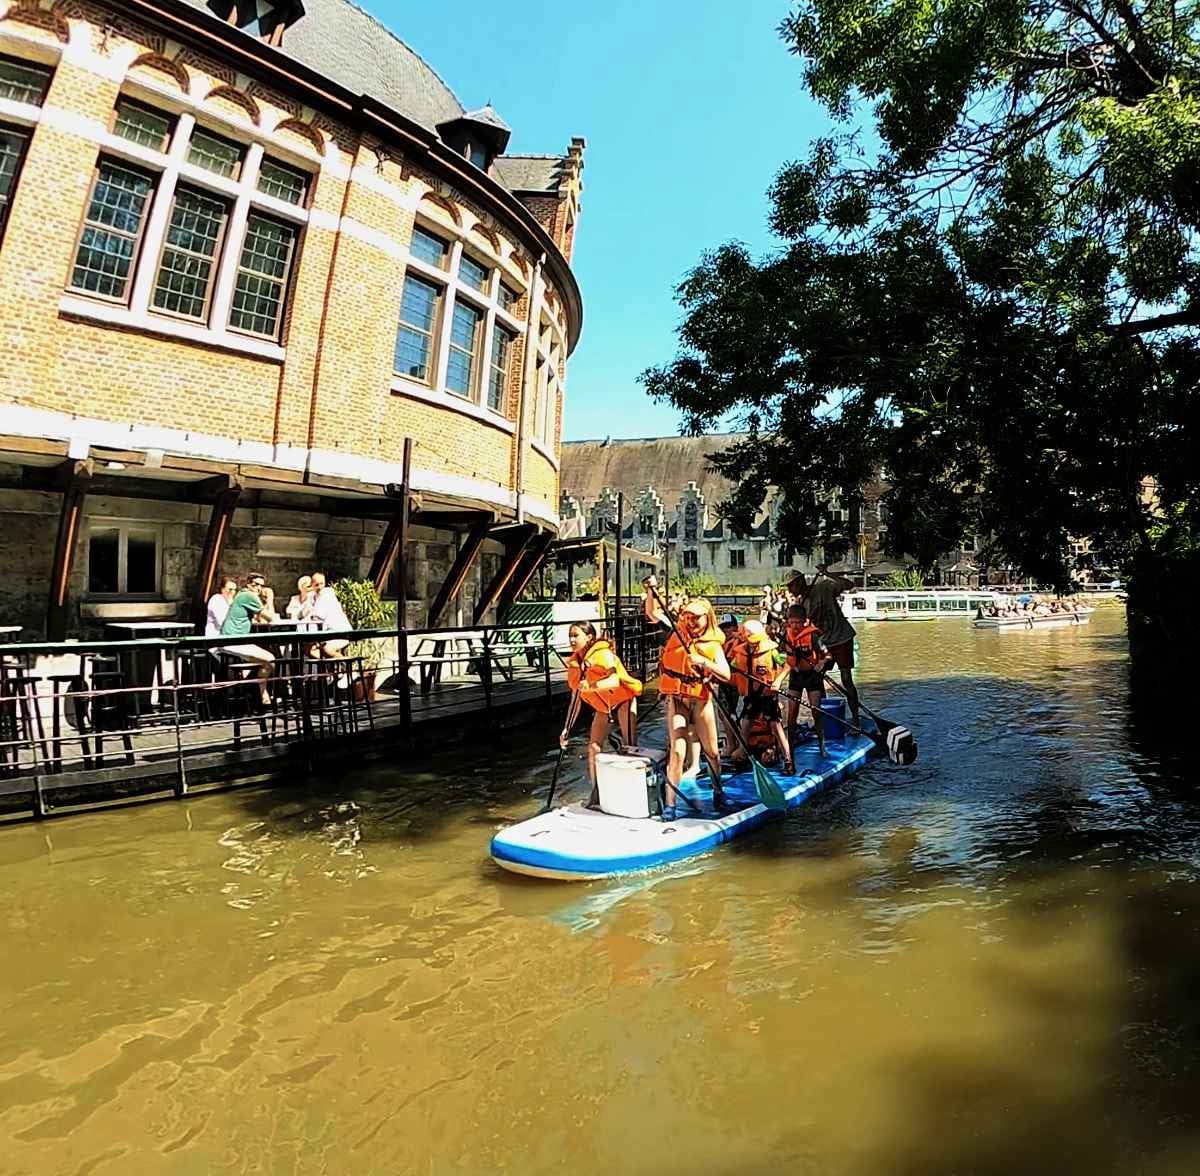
986, 963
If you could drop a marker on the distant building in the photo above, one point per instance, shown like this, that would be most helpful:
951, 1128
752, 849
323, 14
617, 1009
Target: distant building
671, 499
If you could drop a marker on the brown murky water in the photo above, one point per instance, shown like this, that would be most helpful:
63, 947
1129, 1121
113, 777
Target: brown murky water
988, 963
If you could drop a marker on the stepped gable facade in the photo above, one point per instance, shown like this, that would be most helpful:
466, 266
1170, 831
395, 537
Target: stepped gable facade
248, 249
671, 500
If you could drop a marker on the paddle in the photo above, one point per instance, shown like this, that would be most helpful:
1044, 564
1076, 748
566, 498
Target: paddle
767, 787
573, 714
895, 738
803, 701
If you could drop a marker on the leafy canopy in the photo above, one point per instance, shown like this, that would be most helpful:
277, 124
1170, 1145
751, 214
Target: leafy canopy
988, 283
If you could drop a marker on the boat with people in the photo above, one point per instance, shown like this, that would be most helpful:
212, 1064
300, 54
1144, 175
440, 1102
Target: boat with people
652, 806
577, 843
1027, 621
930, 604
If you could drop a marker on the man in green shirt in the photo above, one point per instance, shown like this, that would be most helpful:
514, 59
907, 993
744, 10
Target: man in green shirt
251, 603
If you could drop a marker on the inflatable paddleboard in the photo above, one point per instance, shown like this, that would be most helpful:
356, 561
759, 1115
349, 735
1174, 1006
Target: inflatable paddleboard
574, 843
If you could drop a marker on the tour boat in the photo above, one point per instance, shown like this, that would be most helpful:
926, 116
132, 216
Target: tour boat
575, 843
1025, 622
928, 605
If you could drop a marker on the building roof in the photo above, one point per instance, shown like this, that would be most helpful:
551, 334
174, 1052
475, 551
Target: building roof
529, 173
666, 463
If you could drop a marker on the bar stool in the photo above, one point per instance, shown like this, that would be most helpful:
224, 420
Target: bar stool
241, 698
20, 718
72, 690
111, 710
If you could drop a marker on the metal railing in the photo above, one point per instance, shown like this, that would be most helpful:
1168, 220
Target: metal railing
111, 715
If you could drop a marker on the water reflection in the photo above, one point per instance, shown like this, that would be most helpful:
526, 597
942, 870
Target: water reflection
985, 962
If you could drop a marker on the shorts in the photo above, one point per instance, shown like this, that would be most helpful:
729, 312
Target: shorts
761, 705
843, 654
248, 652
802, 681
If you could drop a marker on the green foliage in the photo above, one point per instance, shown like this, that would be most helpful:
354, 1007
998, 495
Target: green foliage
994, 295
910, 579
365, 609
696, 584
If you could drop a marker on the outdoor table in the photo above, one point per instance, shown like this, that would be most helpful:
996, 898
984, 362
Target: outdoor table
142, 670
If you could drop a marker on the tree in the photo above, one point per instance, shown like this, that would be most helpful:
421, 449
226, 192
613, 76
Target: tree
988, 284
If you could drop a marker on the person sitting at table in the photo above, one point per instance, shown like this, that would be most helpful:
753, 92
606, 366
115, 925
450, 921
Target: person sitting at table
328, 611
250, 605
299, 608
218, 607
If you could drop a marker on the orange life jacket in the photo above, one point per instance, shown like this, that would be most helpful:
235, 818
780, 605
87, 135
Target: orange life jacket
600, 661
806, 651
679, 676
756, 669
735, 647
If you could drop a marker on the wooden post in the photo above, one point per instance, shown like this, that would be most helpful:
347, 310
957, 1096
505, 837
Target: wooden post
617, 625
514, 549
393, 547
602, 575
75, 476
219, 522
456, 577
531, 560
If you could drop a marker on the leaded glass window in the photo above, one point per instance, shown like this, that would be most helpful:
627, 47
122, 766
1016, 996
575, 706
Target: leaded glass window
428, 248
214, 154
12, 152
24, 81
498, 368
284, 183
464, 340
112, 228
509, 298
418, 319
472, 274
185, 274
138, 124
262, 276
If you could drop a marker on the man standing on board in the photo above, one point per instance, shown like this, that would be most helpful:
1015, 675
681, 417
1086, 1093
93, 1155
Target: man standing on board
820, 598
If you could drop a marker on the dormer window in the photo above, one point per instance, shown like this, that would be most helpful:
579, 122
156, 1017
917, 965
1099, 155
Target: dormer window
265, 19
478, 136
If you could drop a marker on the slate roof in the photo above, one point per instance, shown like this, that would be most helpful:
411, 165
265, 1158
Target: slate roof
529, 173
666, 463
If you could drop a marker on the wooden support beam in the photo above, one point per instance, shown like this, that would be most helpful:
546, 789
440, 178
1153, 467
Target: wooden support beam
456, 520
529, 563
395, 539
219, 522
456, 577
73, 477
516, 543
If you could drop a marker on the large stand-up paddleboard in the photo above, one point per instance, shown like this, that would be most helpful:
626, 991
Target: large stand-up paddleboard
576, 843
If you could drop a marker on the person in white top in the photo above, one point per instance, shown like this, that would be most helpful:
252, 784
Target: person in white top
327, 609
218, 607
300, 606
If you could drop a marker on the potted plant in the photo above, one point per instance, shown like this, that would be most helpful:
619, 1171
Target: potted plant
365, 609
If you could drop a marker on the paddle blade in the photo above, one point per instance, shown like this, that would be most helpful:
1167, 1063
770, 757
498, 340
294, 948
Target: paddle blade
768, 789
901, 746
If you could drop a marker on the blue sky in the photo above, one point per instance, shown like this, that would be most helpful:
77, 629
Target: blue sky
689, 108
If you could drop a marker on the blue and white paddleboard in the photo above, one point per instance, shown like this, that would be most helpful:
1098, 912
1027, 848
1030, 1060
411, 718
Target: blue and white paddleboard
574, 843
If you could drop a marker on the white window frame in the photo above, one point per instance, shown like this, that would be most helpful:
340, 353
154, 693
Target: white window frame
739, 551
168, 168
689, 559
487, 302
123, 527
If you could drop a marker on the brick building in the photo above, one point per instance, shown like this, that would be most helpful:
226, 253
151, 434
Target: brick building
247, 249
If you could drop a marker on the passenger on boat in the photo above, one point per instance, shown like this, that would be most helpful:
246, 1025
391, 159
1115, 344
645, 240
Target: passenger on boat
691, 661
807, 656
762, 667
731, 693
597, 676
820, 600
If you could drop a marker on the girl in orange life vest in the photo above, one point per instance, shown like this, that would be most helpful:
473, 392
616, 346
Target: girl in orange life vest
596, 676
807, 657
691, 662
762, 668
